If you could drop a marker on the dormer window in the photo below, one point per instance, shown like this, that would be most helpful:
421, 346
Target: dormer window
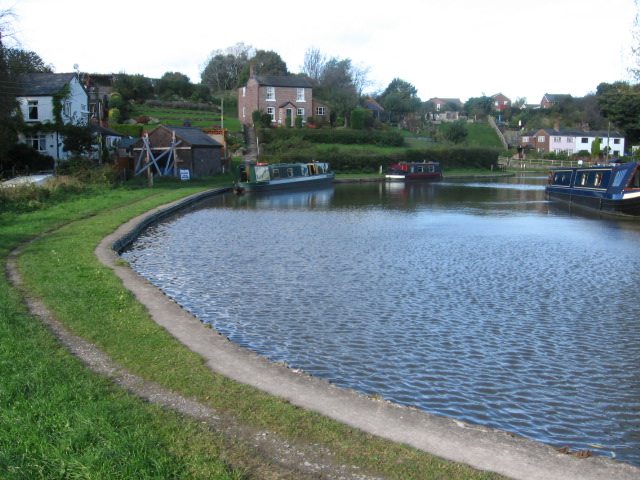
33, 109
271, 94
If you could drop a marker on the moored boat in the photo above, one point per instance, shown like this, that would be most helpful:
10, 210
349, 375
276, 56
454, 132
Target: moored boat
613, 188
414, 171
262, 177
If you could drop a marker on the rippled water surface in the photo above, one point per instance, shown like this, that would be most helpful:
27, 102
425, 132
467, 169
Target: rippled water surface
475, 300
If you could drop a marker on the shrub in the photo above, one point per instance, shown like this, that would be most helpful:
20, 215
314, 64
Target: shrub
345, 136
86, 171
23, 158
346, 162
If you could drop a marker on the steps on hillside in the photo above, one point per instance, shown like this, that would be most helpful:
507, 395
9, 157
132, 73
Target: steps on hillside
251, 146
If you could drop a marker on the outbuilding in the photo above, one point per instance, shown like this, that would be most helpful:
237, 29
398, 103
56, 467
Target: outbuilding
185, 148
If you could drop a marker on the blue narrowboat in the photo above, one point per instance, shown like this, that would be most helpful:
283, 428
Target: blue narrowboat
613, 188
262, 177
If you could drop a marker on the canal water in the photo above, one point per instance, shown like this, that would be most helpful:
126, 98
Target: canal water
477, 300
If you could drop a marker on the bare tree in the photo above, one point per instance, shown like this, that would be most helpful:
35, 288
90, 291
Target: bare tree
314, 63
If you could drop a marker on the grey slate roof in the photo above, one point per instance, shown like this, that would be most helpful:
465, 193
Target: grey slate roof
283, 81
41, 84
194, 137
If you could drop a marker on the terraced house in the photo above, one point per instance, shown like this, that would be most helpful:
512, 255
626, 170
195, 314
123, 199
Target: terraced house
548, 140
284, 98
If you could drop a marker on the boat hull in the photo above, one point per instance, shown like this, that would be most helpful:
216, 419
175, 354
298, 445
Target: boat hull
610, 189
298, 183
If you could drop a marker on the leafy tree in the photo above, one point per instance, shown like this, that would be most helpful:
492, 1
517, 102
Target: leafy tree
620, 103
133, 87
336, 87
78, 139
223, 69
8, 135
400, 98
479, 106
175, 84
455, 132
24, 61
264, 62
595, 148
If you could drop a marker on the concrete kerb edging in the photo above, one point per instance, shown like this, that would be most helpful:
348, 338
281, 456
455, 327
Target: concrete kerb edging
480, 447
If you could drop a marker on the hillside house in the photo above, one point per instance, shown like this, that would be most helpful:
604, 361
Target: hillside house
571, 142
194, 150
551, 99
500, 102
376, 109
445, 109
50, 98
283, 97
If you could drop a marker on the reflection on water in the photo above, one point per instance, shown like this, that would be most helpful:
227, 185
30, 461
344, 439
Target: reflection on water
476, 300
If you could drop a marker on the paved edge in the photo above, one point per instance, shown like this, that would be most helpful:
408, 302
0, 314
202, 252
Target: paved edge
480, 447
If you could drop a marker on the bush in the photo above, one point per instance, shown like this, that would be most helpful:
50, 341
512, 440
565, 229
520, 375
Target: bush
345, 136
86, 171
347, 162
21, 158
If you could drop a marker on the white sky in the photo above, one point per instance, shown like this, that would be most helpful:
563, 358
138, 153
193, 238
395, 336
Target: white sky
445, 48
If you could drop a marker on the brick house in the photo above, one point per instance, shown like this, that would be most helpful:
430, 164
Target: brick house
548, 140
551, 99
500, 102
283, 97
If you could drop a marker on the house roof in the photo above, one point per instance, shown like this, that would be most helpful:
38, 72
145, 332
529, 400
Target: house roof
443, 101
283, 81
555, 97
194, 136
371, 104
41, 84
575, 133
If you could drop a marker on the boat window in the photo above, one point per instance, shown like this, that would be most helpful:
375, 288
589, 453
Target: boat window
597, 179
305, 172
583, 178
635, 181
262, 173
617, 180
431, 169
275, 173
419, 169
289, 172
562, 178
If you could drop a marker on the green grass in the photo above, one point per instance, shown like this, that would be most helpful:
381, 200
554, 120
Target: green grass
59, 420
482, 135
197, 118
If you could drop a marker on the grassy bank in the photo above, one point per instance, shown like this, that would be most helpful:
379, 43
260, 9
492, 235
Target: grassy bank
59, 420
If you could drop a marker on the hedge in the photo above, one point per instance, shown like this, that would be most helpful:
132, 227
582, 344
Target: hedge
339, 136
346, 162
129, 130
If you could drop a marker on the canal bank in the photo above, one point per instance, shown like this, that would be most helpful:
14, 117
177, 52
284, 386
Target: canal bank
480, 447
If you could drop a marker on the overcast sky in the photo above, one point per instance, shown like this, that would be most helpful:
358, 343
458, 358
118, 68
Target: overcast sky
445, 48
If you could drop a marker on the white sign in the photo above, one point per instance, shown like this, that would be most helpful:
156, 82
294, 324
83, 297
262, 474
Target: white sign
185, 174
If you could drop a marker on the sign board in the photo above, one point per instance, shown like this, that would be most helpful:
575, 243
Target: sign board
185, 174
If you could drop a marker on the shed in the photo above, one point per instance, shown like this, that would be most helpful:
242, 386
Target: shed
194, 150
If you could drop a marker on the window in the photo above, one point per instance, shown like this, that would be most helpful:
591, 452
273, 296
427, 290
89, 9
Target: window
275, 173
320, 111
584, 140
557, 139
541, 139
244, 112
272, 112
569, 139
33, 109
244, 91
300, 112
271, 94
289, 172
616, 141
67, 108
38, 142
300, 95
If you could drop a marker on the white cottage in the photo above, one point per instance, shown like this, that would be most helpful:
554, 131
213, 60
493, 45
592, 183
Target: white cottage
39, 93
